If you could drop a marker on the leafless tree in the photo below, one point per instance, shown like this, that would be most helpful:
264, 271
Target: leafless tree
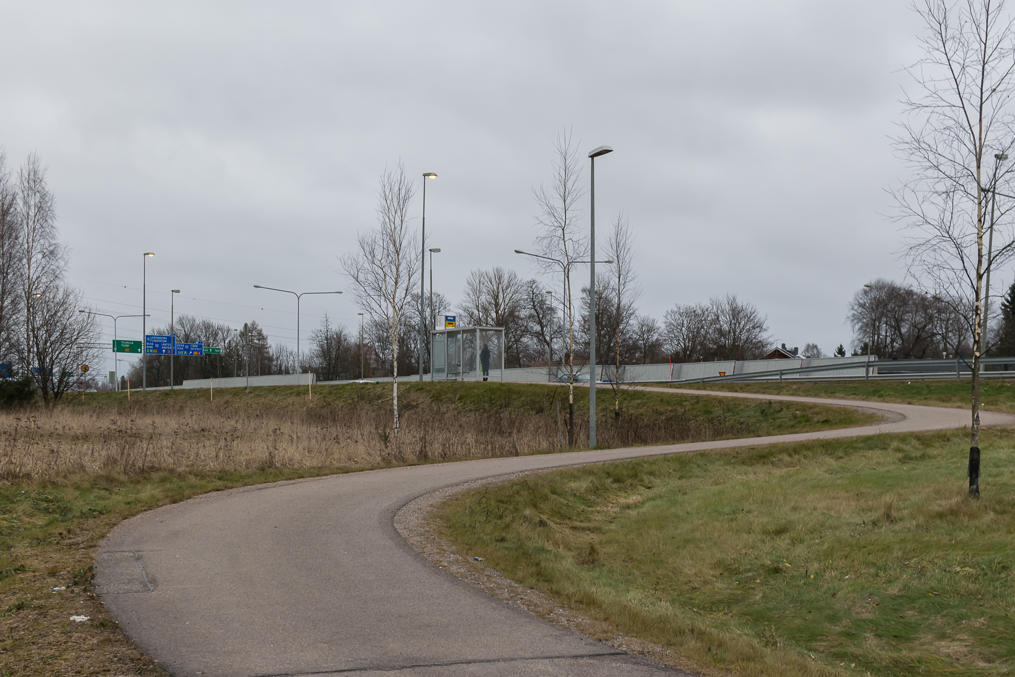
543, 327
622, 289
648, 340
894, 320
496, 298
383, 269
687, 333
61, 340
561, 240
958, 115
42, 255
741, 333
10, 251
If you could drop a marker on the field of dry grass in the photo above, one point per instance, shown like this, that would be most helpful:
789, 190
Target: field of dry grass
350, 427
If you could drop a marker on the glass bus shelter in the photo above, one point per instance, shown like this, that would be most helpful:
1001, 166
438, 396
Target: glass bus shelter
467, 354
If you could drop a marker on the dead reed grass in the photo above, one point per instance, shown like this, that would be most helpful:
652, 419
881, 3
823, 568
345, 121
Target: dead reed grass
185, 433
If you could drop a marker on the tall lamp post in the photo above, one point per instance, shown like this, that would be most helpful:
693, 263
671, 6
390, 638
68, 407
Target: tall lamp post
422, 267
998, 159
593, 154
144, 317
172, 332
362, 370
432, 318
116, 356
549, 337
298, 296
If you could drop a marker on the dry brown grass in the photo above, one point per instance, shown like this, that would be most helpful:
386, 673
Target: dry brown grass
186, 433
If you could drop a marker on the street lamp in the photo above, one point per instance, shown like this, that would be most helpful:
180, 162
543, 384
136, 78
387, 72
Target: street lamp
593, 154
172, 332
144, 317
549, 337
362, 370
998, 159
422, 267
298, 296
116, 355
433, 320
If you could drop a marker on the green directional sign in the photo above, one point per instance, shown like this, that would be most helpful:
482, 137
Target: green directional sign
127, 347
208, 350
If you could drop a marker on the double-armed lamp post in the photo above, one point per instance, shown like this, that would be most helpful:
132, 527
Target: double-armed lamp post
116, 356
298, 296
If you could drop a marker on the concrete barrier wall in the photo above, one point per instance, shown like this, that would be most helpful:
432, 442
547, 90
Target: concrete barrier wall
241, 381
845, 367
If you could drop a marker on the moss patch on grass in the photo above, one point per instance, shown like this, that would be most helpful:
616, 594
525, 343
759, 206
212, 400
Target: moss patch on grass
838, 557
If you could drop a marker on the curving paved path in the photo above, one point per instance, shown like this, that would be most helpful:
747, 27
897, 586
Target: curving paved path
310, 577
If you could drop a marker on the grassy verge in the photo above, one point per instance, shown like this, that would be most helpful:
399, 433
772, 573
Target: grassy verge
995, 394
69, 475
846, 557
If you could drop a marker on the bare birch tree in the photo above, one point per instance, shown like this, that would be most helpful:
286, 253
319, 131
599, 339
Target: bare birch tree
382, 270
958, 117
560, 239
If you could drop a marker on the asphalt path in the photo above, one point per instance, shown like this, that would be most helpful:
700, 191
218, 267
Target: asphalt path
310, 577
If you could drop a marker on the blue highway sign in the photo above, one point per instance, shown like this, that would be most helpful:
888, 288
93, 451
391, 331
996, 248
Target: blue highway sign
155, 344
190, 349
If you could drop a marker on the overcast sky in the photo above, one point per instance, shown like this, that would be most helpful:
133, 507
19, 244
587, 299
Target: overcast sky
243, 142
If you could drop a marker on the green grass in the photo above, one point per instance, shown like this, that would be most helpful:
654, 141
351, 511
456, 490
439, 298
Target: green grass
846, 557
995, 394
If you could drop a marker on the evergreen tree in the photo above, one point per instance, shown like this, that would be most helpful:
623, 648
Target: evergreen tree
1006, 336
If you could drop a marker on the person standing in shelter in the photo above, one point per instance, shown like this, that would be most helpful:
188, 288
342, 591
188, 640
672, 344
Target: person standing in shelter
484, 361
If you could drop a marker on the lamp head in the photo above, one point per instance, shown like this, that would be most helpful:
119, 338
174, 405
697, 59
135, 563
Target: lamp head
519, 251
435, 250
175, 291
601, 150
149, 254
429, 175
1000, 157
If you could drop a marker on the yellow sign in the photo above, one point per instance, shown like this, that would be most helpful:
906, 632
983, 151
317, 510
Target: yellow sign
84, 368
